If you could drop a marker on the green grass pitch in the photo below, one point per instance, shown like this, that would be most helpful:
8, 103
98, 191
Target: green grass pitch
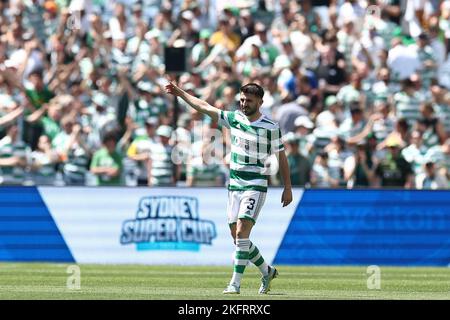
49, 281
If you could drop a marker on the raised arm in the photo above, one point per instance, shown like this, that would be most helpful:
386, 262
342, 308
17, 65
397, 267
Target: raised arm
37, 114
11, 116
196, 103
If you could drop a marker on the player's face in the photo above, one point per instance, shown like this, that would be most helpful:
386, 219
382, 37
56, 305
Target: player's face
250, 103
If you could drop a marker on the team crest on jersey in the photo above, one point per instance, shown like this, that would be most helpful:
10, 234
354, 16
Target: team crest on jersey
168, 223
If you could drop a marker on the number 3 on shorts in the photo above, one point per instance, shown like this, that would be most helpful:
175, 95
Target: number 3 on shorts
251, 202
244, 205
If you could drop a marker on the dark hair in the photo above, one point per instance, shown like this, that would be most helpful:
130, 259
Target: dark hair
108, 136
429, 164
407, 83
36, 72
355, 107
329, 36
402, 123
253, 88
323, 154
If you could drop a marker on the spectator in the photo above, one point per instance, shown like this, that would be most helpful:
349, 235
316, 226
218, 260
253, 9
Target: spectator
431, 178
385, 122
281, 25
441, 104
161, 169
50, 122
416, 152
394, 170
254, 64
351, 93
106, 163
321, 175
203, 171
183, 141
407, 102
301, 81
101, 117
332, 116
331, 70
13, 157
346, 39
43, 162
354, 124
202, 49
359, 168
438, 49
431, 126
351, 9
246, 24
402, 61
382, 89
75, 83
75, 154
288, 112
145, 105
428, 59
299, 165
303, 42
312, 18
187, 31
262, 41
138, 152
338, 152
38, 94
225, 36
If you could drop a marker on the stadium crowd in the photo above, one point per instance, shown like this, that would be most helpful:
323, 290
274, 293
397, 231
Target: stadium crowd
361, 90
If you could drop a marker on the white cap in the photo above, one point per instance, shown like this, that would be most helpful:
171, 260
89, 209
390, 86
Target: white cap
303, 100
188, 15
304, 121
325, 119
164, 131
245, 13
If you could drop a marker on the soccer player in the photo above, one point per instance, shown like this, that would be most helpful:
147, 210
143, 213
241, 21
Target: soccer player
254, 138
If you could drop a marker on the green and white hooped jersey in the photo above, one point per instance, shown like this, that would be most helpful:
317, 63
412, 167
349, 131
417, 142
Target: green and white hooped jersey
251, 145
162, 165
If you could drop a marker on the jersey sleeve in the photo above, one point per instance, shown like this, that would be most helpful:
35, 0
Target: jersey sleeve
224, 118
94, 162
276, 141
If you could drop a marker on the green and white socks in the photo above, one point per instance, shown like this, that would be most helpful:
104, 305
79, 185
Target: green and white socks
240, 260
256, 258
246, 251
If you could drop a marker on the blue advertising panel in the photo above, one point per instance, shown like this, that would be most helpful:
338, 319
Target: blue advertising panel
27, 229
365, 227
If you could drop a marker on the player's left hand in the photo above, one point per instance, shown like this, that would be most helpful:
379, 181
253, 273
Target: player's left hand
286, 198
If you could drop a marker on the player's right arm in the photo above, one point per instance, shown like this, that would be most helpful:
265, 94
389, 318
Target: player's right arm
196, 103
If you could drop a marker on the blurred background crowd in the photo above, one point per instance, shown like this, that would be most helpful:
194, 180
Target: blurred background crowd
361, 90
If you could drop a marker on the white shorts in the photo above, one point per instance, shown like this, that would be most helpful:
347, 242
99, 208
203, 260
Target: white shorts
244, 205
